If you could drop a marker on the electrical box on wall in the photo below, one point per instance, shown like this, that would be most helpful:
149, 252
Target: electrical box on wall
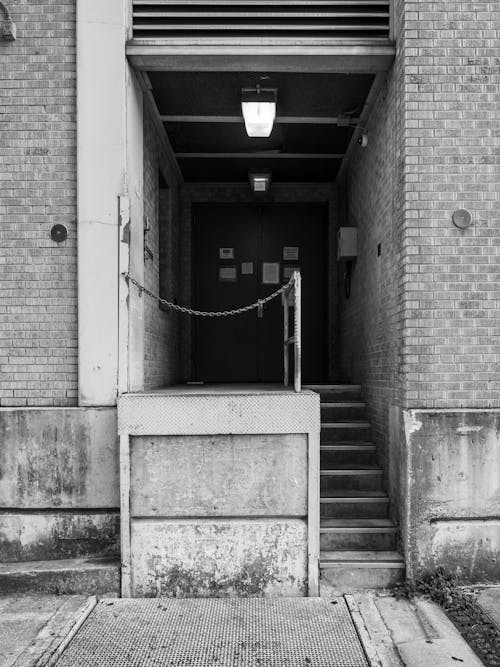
347, 243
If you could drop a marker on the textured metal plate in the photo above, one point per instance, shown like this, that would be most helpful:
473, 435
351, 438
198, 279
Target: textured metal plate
226, 633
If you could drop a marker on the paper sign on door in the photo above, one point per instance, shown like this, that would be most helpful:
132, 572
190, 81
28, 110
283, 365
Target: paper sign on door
270, 273
226, 253
291, 253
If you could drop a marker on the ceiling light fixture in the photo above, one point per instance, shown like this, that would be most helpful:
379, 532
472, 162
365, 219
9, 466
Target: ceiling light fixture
260, 182
259, 110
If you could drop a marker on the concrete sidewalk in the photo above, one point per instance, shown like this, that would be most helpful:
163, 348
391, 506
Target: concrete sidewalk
36, 630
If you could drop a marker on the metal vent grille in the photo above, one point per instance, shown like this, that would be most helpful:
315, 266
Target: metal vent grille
164, 19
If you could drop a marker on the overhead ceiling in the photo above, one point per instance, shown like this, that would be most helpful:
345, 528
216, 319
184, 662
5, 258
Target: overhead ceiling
316, 117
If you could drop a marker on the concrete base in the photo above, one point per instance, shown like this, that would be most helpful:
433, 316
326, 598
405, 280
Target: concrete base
59, 484
60, 577
220, 492
451, 515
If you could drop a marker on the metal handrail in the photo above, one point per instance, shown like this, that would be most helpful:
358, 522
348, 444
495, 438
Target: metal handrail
294, 288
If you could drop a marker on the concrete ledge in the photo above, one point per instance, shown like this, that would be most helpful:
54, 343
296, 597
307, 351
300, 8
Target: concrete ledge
62, 577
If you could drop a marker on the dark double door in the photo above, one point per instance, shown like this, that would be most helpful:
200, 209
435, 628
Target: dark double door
244, 253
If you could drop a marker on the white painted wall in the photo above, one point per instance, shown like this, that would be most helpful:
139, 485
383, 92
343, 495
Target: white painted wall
109, 146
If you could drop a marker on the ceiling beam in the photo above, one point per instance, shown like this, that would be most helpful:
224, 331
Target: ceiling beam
147, 89
261, 156
225, 55
341, 121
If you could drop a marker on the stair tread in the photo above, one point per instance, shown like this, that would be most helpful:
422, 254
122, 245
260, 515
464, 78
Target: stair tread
351, 423
351, 467
343, 404
333, 387
361, 557
348, 444
375, 470
367, 524
365, 495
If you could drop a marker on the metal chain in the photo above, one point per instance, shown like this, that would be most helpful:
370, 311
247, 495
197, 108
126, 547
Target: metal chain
203, 313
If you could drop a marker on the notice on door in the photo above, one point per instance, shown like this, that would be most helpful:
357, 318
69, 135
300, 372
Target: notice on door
227, 274
246, 268
288, 271
270, 273
291, 253
226, 253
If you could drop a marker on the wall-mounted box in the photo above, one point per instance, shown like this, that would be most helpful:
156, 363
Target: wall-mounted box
347, 243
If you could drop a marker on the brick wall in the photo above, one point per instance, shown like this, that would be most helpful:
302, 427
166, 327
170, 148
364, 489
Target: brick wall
452, 277
421, 326
161, 268
38, 292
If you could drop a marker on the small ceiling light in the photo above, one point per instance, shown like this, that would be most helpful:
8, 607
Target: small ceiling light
259, 110
260, 182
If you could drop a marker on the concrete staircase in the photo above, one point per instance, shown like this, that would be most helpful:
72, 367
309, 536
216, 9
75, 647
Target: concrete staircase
358, 540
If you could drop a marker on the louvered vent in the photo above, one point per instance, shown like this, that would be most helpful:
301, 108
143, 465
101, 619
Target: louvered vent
163, 19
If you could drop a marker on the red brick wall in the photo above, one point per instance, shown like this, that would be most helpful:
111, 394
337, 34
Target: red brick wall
38, 289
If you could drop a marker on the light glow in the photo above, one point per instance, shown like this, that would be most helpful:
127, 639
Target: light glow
259, 118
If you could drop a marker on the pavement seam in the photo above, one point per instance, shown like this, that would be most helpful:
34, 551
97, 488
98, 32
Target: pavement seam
369, 648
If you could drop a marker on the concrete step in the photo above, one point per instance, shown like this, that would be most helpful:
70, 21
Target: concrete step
336, 392
355, 570
347, 453
74, 576
356, 479
343, 411
349, 430
357, 535
354, 505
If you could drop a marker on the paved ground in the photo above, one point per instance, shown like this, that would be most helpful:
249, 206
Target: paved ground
489, 600
34, 630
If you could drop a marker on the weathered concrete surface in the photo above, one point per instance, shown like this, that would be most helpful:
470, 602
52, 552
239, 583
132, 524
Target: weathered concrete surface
88, 576
489, 599
54, 462
221, 475
453, 472
30, 625
196, 558
411, 633
27, 537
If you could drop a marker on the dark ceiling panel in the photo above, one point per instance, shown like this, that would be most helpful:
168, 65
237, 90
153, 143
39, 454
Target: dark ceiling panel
299, 95
232, 138
219, 93
232, 170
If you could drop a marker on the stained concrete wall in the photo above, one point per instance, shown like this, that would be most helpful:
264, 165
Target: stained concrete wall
452, 514
59, 485
219, 515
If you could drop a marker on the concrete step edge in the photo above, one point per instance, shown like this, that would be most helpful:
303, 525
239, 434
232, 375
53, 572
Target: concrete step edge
356, 530
362, 472
353, 499
362, 564
345, 424
343, 404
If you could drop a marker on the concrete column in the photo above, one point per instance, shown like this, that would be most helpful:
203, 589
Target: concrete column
104, 85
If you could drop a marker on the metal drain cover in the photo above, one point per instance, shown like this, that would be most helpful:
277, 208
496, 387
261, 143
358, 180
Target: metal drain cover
305, 632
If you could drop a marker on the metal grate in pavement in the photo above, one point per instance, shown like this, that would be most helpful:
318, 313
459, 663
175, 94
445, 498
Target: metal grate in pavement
249, 632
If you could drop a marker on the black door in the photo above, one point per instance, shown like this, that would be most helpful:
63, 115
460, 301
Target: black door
241, 254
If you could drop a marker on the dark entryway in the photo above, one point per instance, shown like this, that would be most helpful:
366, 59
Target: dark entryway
243, 253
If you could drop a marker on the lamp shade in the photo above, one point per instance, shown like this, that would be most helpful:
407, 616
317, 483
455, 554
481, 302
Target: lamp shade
259, 111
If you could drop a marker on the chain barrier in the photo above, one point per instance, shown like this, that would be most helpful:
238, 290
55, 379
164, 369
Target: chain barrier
204, 313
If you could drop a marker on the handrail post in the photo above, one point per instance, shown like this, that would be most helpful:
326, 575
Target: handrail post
286, 379
297, 333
